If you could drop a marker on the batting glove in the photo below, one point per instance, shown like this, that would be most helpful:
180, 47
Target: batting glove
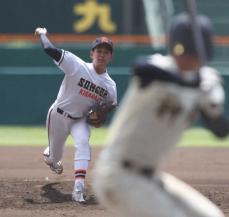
40, 31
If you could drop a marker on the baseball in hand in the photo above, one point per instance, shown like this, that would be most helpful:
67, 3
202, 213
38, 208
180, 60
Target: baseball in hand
39, 31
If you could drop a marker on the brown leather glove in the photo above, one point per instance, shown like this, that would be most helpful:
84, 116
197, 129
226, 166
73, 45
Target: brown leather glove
98, 113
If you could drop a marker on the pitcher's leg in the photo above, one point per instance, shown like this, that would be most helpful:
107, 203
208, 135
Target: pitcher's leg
57, 126
81, 134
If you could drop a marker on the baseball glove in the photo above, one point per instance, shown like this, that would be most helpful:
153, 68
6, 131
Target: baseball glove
98, 113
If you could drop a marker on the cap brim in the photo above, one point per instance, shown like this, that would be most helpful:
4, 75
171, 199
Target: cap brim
103, 43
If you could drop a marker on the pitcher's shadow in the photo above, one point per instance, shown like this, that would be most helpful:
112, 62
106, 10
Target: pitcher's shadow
53, 195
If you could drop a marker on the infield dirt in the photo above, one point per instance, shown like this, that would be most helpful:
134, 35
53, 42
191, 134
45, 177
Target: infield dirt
29, 189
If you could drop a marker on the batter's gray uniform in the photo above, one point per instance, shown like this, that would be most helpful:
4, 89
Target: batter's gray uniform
158, 106
163, 99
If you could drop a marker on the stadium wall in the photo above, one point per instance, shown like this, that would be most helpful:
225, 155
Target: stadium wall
27, 92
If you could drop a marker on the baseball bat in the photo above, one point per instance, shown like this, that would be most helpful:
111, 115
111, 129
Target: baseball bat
198, 39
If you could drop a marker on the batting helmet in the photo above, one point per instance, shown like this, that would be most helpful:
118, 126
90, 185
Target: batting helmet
181, 37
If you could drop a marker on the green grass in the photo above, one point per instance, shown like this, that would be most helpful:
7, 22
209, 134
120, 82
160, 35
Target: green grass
37, 136
199, 137
17, 135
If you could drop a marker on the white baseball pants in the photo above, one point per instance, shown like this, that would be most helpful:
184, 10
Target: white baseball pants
59, 128
129, 193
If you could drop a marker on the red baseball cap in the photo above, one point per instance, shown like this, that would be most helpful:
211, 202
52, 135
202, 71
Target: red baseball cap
102, 40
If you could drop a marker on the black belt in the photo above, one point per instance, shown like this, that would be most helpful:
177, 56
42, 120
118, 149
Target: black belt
145, 171
60, 111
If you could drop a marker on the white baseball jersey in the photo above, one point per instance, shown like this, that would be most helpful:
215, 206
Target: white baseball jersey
150, 120
82, 86
157, 107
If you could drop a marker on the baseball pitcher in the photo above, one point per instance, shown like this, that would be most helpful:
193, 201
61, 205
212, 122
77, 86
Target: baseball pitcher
164, 96
85, 86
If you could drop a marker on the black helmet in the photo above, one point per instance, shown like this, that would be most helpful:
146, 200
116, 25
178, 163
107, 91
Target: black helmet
181, 37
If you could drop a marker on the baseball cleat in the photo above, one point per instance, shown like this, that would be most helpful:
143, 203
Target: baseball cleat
55, 167
78, 193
